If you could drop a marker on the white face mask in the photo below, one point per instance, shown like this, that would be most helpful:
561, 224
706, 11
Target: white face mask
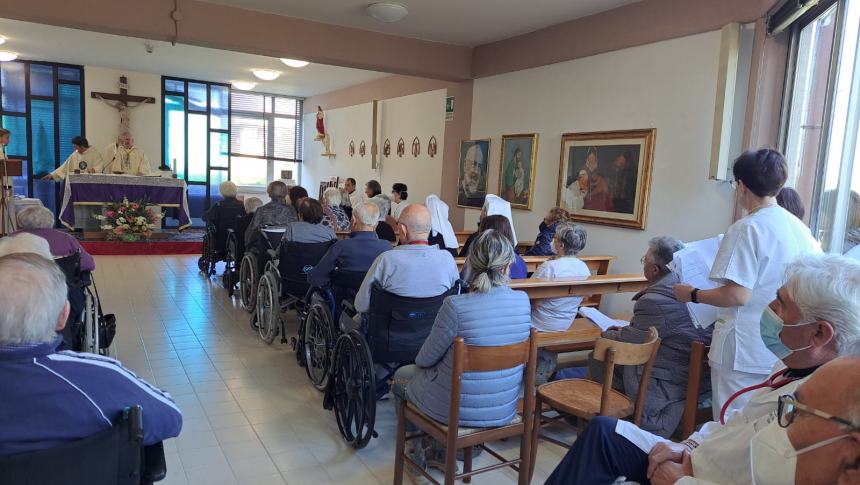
774, 459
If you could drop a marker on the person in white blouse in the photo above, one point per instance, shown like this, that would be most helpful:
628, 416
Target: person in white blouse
749, 266
556, 314
399, 195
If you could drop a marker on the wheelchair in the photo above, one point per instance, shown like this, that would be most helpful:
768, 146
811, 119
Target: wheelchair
284, 283
249, 268
391, 335
232, 251
87, 329
215, 239
318, 325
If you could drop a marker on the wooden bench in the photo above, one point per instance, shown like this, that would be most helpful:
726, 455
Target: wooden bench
597, 264
593, 285
522, 246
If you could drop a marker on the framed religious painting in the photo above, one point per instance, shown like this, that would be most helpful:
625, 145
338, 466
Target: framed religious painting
518, 162
605, 177
474, 164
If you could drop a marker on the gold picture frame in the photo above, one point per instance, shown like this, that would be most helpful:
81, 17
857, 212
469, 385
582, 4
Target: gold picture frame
515, 180
605, 177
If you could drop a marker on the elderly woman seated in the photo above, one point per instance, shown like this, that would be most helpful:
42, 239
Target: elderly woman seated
309, 227
225, 214
488, 399
335, 215
556, 314
657, 307
39, 221
547, 228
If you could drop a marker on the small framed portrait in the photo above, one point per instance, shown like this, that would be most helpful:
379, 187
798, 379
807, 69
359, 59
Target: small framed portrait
518, 163
474, 164
605, 177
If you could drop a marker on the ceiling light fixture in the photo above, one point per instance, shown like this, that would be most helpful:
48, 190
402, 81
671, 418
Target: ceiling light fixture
243, 85
266, 75
294, 62
387, 11
7, 56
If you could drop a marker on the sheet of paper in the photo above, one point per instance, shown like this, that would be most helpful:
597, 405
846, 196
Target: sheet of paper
693, 266
600, 319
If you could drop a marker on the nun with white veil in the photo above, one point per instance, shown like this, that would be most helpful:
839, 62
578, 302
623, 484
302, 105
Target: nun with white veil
493, 206
441, 231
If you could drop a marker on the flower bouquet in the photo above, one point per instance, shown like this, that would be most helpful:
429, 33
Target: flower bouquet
128, 221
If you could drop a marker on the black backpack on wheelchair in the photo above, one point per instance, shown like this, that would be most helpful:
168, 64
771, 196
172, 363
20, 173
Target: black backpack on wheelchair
87, 328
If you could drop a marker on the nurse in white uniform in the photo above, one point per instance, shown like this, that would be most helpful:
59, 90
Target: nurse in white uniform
750, 266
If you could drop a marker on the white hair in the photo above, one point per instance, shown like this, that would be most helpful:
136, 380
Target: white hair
333, 196
33, 296
572, 238
663, 249
252, 204
827, 287
383, 203
24, 242
366, 213
35, 217
228, 189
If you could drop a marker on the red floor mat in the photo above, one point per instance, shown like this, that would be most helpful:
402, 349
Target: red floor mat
110, 248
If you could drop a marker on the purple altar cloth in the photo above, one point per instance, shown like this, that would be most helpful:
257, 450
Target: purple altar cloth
166, 192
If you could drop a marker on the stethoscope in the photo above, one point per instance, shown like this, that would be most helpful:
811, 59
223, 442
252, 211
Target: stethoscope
775, 381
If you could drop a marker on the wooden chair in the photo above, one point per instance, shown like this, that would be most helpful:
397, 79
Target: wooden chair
693, 416
587, 399
469, 358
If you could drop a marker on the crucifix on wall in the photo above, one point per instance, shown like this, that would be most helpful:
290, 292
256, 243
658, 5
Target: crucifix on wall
123, 103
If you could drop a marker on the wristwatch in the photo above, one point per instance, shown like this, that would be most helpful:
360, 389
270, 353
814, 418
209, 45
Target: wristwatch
694, 295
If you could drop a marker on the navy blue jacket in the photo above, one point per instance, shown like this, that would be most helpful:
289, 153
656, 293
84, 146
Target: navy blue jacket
355, 253
543, 243
48, 398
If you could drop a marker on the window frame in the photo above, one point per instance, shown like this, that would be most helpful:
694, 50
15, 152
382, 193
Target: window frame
27, 115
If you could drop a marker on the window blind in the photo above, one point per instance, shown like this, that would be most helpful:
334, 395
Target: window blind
266, 126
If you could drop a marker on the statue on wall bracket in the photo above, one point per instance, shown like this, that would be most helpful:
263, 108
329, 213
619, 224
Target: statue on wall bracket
322, 136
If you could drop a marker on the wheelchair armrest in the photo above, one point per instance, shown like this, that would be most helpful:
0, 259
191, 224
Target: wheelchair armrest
154, 464
272, 253
86, 278
348, 307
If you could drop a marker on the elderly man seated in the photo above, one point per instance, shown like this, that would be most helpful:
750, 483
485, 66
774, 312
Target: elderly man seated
814, 319
657, 307
39, 221
413, 269
50, 398
278, 212
357, 252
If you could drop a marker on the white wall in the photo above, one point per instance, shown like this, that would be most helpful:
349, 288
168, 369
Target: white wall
669, 86
102, 121
420, 115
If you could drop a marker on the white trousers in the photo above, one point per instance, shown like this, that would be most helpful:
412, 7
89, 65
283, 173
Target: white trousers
725, 381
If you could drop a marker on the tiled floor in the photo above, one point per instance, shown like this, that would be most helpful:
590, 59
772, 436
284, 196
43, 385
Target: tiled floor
250, 413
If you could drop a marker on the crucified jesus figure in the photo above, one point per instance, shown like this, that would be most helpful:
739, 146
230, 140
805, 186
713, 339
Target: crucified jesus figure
123, 108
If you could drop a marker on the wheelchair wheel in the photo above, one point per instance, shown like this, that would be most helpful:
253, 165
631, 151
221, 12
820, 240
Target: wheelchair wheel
318, 341
354, 390
268, 308
248, 282
229, 276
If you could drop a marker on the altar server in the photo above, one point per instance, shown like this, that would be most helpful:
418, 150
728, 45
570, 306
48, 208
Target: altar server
84, 158
750, 266
124, 157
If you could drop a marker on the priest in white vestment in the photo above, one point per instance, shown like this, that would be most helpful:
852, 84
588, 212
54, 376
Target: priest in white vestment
84, 158
124, 157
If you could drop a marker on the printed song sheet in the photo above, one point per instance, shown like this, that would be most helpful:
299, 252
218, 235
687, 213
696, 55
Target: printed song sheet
693, 265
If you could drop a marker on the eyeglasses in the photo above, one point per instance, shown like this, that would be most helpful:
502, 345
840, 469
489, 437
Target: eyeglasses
788, 407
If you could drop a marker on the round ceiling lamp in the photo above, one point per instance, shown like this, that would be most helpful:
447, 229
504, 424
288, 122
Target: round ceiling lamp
7, 56
243, 85
387, 11
294, 62
266, 75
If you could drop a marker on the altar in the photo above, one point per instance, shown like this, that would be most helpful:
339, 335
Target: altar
84, 190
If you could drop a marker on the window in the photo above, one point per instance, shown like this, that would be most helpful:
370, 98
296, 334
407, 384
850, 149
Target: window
265, 138
822, 118
42, 105
196, 141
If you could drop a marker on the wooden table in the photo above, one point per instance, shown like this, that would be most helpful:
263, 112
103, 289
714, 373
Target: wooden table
593, 285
